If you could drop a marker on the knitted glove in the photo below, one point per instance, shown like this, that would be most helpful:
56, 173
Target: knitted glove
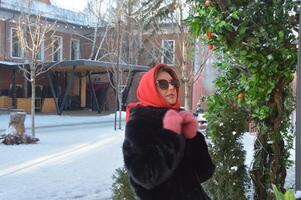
172, 121
190, 124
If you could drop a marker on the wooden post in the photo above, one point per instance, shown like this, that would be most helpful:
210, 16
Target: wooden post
83, 92
14, 92
93, 93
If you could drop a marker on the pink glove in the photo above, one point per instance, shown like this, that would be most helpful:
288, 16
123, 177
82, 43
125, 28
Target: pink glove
190, 125
172, 121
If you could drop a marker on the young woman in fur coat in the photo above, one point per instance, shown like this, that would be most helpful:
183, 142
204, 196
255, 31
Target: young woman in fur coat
164, 155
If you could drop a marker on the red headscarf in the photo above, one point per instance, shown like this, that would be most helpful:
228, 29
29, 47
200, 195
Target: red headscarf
148, 94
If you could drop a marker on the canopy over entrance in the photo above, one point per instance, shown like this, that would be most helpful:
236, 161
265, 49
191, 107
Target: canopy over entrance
72, 67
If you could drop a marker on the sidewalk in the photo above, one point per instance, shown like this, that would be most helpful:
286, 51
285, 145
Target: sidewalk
66, 119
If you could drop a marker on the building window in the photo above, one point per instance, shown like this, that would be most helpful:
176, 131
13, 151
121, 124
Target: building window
57, 49
16, 50
168, 47
40, 55
74, 49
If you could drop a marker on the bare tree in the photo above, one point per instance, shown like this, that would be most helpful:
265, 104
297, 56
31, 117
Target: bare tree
116, 39
98, 13
36, 36
171, 43
155, 22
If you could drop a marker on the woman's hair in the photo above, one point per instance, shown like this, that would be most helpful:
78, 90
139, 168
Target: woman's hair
168, 70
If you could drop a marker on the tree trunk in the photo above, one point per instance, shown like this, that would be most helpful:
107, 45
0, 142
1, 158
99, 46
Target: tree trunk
33, 96
187, 96
120, 107
259, 173
223, 4
277, 168
91, 57
269, 165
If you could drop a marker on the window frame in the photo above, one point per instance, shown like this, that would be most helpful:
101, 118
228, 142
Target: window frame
78, 53
60, 51
173, 53
11, 44
42, 51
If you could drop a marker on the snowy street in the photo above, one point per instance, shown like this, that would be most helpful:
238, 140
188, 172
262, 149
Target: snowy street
74, 159
69, 162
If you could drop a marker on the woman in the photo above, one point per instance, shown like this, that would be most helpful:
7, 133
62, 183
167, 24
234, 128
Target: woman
165, 157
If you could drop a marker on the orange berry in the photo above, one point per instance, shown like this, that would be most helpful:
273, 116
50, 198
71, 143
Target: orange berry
241, 96
207, 3
209, 35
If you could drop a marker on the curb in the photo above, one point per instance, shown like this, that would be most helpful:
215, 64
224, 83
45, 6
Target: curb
70, 124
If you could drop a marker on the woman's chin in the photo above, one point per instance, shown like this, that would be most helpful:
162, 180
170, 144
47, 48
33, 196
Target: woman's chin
171, 101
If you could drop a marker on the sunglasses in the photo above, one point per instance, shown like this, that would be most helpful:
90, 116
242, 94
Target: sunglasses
164, 84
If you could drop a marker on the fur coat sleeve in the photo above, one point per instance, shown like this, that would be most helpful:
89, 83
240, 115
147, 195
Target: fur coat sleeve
151, 153
197, 158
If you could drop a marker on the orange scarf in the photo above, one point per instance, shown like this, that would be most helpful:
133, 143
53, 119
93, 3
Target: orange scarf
148, 94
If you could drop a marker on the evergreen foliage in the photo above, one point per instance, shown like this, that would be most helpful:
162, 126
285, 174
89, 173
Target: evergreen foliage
227, 121
121, 186
288, 195
258, 37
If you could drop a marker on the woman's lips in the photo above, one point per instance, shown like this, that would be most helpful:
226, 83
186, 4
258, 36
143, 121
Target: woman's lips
171, 96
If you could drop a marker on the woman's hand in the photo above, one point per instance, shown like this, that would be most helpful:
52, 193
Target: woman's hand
189, 125
173, 121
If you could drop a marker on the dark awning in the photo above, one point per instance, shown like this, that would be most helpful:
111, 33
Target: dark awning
10, 65
82, 65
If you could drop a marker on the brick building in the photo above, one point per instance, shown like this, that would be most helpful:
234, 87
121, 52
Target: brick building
73, 32
72, 45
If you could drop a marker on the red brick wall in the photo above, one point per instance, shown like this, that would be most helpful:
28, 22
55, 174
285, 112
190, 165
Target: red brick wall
4, 78
2, 39
5, 46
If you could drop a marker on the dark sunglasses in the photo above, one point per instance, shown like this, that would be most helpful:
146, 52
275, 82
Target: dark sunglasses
164, 84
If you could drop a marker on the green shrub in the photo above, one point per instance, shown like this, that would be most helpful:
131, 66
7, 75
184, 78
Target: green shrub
121, 187
288, 195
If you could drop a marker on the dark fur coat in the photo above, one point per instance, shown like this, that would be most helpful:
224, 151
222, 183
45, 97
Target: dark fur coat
161, 164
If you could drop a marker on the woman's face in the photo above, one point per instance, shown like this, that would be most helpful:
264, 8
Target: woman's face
170, 93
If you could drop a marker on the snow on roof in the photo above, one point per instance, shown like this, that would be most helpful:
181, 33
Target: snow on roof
9, 64
47, 10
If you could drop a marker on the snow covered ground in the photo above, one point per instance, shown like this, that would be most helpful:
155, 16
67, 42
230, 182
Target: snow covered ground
75, 159
70, 162
248, 141
57, 120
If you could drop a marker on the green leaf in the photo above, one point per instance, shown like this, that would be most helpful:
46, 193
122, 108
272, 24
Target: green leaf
229, 27
281, 35
234, 15
277, 193
242, 30
289, 195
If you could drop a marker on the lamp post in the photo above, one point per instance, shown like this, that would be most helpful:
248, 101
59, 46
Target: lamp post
298, 114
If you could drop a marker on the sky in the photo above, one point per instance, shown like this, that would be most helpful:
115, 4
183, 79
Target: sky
75, 5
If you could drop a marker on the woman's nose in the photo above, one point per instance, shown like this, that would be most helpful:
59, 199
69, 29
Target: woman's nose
170, 86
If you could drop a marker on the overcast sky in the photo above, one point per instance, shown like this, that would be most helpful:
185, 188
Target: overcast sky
76, 5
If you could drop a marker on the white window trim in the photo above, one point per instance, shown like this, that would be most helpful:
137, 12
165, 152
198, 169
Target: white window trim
174, 51
78, 48
60, 51
11, 45
42, 51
